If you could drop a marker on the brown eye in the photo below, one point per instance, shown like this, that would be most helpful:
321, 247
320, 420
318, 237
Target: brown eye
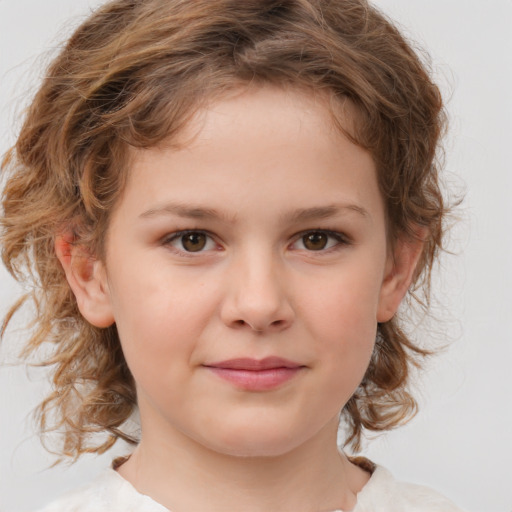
315, 241
194, 242
188, 242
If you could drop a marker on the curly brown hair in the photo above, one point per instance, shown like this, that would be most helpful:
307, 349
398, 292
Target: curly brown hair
132, 75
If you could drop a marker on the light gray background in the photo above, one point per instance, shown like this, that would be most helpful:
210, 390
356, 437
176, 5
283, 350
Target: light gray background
461, 441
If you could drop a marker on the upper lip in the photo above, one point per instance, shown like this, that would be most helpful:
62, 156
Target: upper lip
246, 363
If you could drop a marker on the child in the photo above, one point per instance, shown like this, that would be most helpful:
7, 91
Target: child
222, 205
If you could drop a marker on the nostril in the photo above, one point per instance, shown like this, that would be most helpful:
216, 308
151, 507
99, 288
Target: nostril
260, 316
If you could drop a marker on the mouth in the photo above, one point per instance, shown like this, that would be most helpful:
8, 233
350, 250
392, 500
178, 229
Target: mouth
256, 374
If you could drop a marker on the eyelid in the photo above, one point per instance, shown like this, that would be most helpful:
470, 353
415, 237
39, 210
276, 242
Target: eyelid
342, 239
176, 235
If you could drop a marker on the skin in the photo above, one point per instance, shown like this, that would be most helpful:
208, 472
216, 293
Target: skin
261, 171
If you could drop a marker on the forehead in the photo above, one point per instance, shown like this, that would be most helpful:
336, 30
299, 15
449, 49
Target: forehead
335, 113
269, 110
262, 146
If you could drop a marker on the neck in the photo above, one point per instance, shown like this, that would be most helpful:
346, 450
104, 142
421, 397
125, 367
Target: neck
183, 475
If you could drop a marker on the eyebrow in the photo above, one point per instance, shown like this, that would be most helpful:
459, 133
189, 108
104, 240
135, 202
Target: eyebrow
186, 211
324, 212
300, 215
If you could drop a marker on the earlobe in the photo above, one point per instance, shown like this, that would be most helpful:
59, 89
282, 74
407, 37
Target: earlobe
401, 267
87, 279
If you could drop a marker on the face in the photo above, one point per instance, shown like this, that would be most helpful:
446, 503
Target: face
246, 273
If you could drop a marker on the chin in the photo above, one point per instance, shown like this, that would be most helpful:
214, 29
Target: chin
256, 448
256, 442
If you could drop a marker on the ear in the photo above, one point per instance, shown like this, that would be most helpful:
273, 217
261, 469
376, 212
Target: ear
400, 269
88, 280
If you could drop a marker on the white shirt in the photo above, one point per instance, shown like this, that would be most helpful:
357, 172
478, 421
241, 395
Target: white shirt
110, 492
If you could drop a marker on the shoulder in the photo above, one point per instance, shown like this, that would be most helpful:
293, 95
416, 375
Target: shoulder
386, 494
107, 493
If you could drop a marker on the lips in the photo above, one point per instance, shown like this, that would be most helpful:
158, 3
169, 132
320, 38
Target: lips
256, 374
255, 364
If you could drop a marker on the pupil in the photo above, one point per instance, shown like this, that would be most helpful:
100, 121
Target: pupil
194, 242
315, 241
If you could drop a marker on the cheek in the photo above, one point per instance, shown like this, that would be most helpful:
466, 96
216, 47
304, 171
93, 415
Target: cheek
344, 306
342, 319
159, 323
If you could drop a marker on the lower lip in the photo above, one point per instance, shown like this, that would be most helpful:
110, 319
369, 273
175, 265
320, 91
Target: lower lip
257, 380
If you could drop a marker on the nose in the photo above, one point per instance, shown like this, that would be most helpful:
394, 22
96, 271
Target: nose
258, 296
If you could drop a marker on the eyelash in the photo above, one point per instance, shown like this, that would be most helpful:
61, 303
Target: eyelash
178, 235
340, 240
